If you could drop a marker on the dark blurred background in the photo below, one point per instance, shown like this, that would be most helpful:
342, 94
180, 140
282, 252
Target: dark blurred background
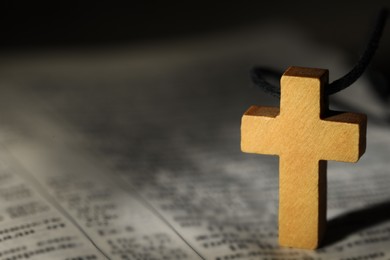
80, 25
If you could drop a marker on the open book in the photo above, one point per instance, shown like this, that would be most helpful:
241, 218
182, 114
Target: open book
135, 154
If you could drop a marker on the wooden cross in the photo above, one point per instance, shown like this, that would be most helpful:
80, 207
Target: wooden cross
304, 133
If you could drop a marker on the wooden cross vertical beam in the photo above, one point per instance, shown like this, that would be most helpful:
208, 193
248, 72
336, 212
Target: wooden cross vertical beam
304, 133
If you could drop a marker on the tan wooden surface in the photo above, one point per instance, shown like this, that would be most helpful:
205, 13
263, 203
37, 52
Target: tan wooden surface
304, 133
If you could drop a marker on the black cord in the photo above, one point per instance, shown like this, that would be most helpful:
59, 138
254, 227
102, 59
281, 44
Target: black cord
258, 74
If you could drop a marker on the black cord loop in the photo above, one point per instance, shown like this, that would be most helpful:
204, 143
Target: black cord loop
258, 74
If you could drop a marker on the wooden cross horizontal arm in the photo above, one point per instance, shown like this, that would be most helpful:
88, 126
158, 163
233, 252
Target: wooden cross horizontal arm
340, 134
259, 130
346, 136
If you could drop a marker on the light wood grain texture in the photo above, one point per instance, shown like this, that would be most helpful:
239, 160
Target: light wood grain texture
304, 133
